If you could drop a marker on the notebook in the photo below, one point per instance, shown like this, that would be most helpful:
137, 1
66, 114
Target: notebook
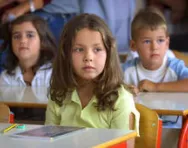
46, 132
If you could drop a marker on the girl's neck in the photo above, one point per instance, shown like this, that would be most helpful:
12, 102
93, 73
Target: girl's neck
86, 88
85, 92
26, 65
27, 70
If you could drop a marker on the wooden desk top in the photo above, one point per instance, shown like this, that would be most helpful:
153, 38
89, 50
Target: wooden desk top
96, 138
35, 97
165, 103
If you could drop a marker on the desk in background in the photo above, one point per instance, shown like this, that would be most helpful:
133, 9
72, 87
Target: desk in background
90, 137
168, 104
165, 103
27, 97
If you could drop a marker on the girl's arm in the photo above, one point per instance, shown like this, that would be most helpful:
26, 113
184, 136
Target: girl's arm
24, 7
126, 117
52, 117
122, 117
176, 86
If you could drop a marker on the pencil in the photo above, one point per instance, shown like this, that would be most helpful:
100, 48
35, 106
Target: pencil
9, 128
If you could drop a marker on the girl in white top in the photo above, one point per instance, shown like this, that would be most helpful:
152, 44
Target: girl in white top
32, 49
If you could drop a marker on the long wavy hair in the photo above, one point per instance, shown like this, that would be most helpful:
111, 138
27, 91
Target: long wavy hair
48, 47
63, 80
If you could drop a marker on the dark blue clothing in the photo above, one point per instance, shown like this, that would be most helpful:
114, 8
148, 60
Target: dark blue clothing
2, 59
56, 22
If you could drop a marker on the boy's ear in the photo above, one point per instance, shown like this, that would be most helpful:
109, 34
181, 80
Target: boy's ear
133, 45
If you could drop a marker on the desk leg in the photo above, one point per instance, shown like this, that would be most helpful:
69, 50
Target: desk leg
159, 135
184, 118
183, 139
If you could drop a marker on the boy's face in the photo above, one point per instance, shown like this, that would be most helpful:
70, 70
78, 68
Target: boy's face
151, 46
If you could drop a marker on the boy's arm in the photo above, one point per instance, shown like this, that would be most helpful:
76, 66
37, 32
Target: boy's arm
176, 86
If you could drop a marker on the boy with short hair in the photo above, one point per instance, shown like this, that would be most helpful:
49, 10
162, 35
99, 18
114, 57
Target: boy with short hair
152, 70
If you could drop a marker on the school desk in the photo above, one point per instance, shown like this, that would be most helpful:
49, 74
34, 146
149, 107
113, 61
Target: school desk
168, 104
87, 138
165, 103
27, 97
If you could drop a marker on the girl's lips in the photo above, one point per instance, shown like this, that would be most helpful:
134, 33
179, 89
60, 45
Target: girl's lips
23, 48
88, 68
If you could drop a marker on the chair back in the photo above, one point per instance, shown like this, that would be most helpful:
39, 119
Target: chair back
181, 56
150, 128
4, 113
123, 57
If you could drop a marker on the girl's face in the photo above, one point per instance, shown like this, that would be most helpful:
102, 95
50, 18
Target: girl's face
88, 54
25, 42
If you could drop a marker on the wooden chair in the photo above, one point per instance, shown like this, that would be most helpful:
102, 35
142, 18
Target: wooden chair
4, 113
183, 139
181, 56
122, 57
150, 128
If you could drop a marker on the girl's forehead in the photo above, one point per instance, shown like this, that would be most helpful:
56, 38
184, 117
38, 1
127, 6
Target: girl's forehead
88, 35
88, 31
23, 26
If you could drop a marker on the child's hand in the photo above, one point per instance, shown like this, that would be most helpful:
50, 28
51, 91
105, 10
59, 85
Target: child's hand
146, 85
13, 12
133, 89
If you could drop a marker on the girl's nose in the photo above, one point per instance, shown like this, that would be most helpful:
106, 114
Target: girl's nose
87, 60
88, 57
23, 39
